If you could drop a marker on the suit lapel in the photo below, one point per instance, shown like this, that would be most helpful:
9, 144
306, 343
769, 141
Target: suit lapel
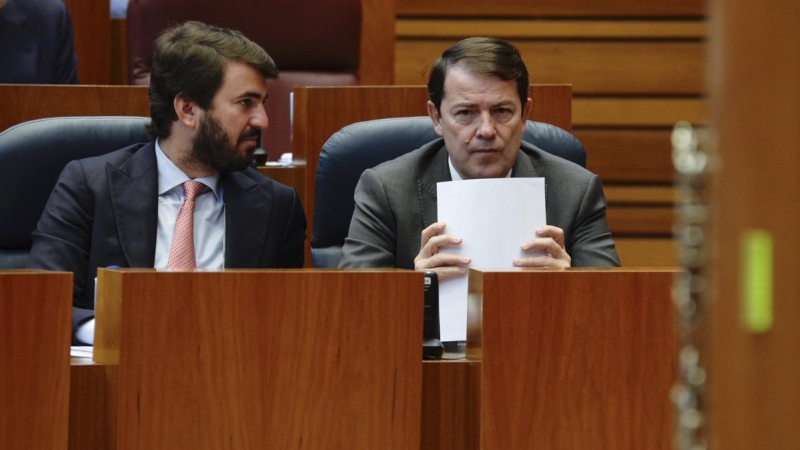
247, 218
435, 171
133, 187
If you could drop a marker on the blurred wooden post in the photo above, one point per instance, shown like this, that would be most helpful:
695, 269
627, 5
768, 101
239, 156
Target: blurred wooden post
573, 359
754, 372
248, 359
35, 310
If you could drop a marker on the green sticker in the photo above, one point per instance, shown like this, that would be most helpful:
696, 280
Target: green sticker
756, 289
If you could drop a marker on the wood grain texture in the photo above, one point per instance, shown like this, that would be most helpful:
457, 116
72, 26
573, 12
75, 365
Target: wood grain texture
237, 359
35, 310
621, 112
550, 8
591, 66
377, 42
458, 28
450, 405
754, 378
647, 252
628, 155
87, 405
645, 220
23, 102
91, 25
574, 359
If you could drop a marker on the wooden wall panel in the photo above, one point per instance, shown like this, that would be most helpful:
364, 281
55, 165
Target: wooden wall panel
558, 8
638, 156
592, 67
91, 25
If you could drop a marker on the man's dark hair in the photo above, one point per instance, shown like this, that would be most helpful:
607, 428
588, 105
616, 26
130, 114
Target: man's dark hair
481, 56
189, 61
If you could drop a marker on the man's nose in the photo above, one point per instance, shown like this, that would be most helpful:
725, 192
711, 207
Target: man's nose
486, 127
259, 119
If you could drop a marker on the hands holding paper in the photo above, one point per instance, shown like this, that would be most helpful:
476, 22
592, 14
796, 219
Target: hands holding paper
549, 240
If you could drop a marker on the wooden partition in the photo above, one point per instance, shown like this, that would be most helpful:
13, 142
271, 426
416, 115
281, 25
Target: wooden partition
255, 359
91, 26
573, 359
752, 326
35, 308
23, 102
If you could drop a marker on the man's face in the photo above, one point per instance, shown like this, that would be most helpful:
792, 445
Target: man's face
481, 121
227, 134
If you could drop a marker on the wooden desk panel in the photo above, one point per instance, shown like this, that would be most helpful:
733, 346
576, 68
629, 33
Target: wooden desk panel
574, 359
35, 310
236, 359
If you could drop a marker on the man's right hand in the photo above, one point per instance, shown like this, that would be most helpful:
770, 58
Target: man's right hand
446, 265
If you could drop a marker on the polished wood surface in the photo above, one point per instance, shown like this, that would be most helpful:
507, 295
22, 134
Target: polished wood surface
519, 28
754, 375
92, 37
552, 8
573, 359
87, 405
450, 405
235, 359
623, 67
35, 310
23, 102
377, 42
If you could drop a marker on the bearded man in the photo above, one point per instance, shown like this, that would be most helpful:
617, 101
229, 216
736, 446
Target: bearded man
133, 207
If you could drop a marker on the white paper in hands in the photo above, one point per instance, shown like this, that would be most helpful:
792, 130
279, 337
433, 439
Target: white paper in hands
493, 217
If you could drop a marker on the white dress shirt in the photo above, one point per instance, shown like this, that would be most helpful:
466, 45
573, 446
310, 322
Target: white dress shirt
209, 215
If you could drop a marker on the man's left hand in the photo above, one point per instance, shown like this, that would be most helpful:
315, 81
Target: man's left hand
550, 241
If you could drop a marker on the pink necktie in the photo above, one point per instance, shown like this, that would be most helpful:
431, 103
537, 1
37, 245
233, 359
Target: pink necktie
181, 254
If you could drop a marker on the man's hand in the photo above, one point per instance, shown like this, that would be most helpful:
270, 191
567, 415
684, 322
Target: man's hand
549, 240
445, 265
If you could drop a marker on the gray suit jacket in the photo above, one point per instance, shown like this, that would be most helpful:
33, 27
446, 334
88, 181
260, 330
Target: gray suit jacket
104, 212
396, 200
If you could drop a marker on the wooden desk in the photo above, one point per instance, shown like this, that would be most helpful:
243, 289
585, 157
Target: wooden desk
237, 359
587, 362
574, 359
35, 308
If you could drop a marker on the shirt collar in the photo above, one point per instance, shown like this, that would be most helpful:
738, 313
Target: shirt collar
169, 176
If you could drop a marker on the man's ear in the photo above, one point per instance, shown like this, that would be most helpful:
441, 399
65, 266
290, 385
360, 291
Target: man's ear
526, 110
436, 118
186, 110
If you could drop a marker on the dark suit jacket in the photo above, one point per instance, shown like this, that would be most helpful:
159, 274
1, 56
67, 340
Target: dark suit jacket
104, 212
396, 200
36, 43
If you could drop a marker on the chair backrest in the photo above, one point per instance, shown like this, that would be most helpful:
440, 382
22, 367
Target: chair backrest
312, 42
32, 155
363, 145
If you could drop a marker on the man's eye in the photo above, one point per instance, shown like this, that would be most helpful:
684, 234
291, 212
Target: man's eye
463, 113
503, 113
245, 102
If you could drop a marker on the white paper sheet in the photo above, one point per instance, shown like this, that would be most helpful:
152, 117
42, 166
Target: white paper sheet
493, 217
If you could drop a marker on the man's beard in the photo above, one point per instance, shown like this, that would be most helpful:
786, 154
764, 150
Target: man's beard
212, 147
